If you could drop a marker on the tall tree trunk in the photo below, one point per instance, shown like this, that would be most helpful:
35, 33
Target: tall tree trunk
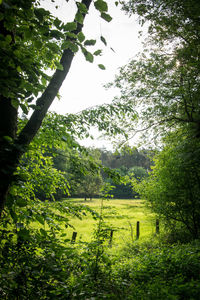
8, 128
11, 152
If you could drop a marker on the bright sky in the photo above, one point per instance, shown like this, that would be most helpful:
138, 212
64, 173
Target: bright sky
83, 86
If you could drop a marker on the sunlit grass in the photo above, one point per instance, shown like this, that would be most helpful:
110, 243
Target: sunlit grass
120, 215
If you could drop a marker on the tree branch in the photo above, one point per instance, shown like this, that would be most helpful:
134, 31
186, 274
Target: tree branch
44, 102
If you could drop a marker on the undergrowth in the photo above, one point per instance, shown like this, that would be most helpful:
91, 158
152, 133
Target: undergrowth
37, 264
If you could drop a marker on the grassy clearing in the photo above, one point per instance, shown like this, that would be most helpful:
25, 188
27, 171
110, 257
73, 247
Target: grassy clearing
120, 215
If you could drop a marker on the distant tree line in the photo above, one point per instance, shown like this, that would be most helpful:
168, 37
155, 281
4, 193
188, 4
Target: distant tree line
86, 178
130, 162
56, 167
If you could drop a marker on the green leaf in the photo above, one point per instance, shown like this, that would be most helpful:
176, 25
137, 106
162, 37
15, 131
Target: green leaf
24, 234
59, 66
38, 44
97, 52
89, 42
21, 202
65, 45
43, 80
27, 34
79, 17
8, 39
19, 69
71, 35
57, 34
15, 103
81, 37
89, 57
71, 26
103, 40
43, 232
82, 8
40, 13
8, 138
13, 215
64, 138
53, 47
101, 5
24, 108
40, 219
102, 67
73, 47
106, 17
57, 23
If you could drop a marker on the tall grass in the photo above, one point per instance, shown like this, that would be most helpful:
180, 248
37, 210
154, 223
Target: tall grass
119, 215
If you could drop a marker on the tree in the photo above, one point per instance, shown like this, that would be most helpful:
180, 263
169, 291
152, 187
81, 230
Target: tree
87, 179
173, 188
163, 83
138, 172
127, 157
128, 162
122, 190
37, 178
90, 186
32, 41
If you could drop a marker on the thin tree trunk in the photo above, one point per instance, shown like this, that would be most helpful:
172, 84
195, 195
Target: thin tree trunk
11, 153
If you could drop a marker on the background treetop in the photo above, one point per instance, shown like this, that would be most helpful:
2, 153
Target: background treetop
163, 81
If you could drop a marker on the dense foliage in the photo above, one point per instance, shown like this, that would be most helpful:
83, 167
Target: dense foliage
173, 188
33, 42
128, 162
163, 84
163, 81
43, 161
143, 271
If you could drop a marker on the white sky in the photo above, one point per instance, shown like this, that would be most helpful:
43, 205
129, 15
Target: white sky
83, 86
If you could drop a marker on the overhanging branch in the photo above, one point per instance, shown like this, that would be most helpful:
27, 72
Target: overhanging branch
45, 101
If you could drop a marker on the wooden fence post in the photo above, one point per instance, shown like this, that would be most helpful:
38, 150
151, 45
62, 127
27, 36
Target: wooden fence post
111, 237
157, 227
74, 235
138, 230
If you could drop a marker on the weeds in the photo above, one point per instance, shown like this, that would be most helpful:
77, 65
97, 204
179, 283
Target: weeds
38, 264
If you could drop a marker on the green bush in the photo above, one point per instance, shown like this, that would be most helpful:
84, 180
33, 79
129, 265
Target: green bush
161, 273
173, 188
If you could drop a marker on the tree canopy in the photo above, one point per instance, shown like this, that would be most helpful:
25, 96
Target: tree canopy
163, 81
32, 42
41, 160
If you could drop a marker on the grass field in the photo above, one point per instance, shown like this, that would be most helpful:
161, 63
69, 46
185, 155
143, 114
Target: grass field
120, 215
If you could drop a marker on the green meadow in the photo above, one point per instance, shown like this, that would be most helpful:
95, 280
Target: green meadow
119, 215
